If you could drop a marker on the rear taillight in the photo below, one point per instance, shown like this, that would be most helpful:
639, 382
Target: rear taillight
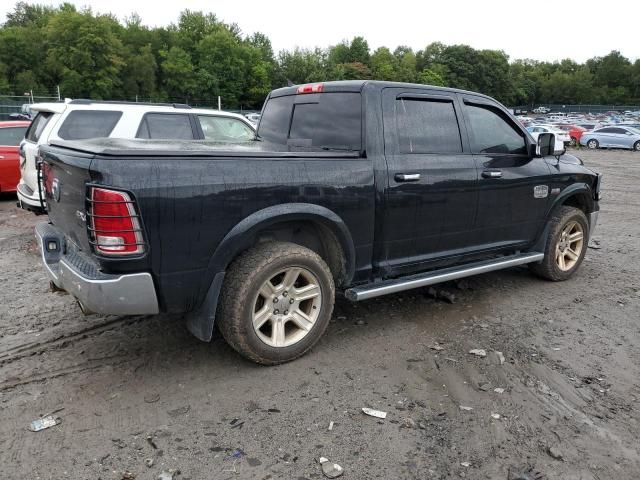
311, 88
114, 226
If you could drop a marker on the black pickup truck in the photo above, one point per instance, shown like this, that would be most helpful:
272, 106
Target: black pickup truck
359, 187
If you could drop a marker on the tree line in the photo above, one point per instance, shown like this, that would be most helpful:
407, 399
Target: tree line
198, 58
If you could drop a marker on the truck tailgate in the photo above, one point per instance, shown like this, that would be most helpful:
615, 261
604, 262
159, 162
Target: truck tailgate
66, 174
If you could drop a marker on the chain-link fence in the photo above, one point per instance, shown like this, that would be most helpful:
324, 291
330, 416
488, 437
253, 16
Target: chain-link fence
10, 104
19, 103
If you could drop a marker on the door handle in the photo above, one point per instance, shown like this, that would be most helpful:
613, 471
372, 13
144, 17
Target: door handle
492, 174
1, 157
407, 177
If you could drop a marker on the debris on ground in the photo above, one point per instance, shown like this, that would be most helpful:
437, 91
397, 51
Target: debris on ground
495, 416
331, 425
478, 352
529, 474
485, 387
148, 462
408, 423
44, 422
374, 413
360, 322
555, 452
170, 474
238, 453
498, 390
330, 469
128, 476
151, 397
447, 296
151, 442
179, 411
441, 294
466, 409
437, 347
595, 244
465, 464
500, 356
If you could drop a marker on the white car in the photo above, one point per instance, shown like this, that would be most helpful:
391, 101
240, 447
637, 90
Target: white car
82, 119
562, 138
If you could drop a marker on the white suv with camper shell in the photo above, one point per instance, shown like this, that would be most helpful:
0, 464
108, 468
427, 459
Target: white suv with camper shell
82, 119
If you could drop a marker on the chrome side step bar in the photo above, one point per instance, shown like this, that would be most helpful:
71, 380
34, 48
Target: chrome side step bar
437, 276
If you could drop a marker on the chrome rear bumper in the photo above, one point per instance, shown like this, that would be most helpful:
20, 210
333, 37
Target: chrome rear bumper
97, 292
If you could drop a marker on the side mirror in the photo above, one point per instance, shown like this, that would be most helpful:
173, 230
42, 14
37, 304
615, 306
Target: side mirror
546, 144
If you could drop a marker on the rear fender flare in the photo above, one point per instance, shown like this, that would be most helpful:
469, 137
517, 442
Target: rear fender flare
241, 237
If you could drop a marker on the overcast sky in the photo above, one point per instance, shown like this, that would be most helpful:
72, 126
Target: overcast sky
542, 30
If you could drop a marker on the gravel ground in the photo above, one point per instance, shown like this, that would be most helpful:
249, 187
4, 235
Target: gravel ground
141, 389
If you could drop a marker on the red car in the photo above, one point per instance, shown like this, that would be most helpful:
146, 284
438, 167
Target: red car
11, 134
575, 132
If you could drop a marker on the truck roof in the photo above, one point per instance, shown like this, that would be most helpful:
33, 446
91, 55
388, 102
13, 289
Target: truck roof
359, 85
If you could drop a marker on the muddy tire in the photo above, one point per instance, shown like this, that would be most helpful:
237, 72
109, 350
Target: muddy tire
566, 245
276, 302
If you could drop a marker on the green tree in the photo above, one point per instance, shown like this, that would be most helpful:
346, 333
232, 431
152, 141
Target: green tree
178, 73
84, 55
383, 65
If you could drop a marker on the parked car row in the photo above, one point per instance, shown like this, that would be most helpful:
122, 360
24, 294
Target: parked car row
608, 130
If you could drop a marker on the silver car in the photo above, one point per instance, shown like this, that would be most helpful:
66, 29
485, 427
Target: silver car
612, 137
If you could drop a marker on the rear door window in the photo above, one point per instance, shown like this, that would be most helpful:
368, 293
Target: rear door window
12, 136
492, 132
38, 125
330, 121
427, 126
83, 124
168, 126
225, 129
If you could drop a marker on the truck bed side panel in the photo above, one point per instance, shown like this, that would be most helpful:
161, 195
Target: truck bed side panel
189, 204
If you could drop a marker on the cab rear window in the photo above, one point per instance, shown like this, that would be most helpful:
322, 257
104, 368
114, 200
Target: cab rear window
83, 124
37, 126
330, 121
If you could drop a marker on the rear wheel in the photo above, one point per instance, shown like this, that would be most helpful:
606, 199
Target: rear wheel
566, 245
276, 302
636, 146
573, 142
593, 143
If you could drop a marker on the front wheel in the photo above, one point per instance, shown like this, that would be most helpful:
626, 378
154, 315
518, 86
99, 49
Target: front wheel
636, 146
593, 144
276, 302
566, 245
573, 142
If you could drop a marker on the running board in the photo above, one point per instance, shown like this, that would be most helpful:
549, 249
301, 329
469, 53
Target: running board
437, 276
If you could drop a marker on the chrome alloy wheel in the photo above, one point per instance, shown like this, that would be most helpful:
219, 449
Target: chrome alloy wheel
569, 246
287, 307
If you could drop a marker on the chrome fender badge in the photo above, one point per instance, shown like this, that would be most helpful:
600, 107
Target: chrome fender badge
540, 191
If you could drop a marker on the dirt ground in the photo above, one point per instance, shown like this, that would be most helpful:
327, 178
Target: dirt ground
140, 389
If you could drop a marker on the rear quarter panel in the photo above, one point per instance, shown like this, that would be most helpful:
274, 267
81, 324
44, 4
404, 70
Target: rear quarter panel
189, 204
